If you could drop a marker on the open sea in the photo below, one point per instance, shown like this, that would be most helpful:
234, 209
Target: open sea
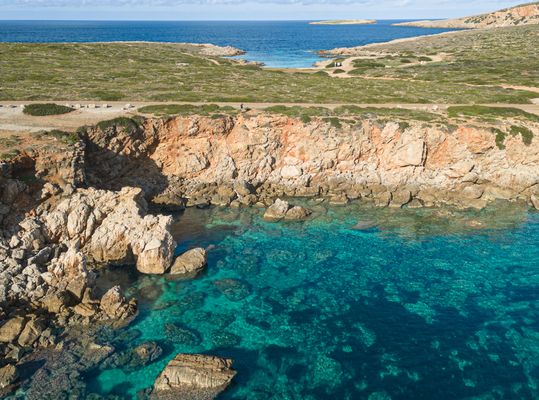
274, 43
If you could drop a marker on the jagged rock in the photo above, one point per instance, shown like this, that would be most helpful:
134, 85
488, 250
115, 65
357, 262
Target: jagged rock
31, 332
115, 305
8, 375
242, 188
10, 330
194, 376
56, 302
535, 201
109, 227
400, 198
382, 199
189, 263
69, 272
297, 213
277, 210
85, 309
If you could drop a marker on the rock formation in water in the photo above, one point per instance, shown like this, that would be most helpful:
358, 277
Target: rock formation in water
524, 14
189, 263
193, 376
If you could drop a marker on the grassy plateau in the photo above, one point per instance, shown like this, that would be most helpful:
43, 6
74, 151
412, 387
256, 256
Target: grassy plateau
168, 72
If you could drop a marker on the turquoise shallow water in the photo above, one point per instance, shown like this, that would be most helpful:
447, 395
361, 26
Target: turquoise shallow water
356, 303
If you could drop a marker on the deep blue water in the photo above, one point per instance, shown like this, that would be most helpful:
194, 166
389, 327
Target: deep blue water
275, 43
357, 303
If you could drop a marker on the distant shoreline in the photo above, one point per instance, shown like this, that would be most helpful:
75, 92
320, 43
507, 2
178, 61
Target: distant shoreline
345, 22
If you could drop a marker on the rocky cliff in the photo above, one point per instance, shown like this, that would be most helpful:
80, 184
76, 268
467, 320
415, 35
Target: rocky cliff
203, 160
525, 14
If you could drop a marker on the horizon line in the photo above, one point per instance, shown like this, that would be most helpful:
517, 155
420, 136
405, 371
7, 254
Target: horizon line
204, 20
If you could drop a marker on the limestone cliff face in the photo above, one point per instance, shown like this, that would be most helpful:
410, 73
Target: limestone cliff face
525, 14
195, 156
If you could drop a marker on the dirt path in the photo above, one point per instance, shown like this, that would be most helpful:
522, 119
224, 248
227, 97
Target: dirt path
12, 119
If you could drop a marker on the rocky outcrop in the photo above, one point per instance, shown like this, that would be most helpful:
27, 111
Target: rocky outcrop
189, 263
193, 376
525, 14
109, 228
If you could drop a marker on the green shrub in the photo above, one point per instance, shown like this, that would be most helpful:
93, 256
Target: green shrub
490, 112
525, 133
64, 137
423, 58
334, 122
8, 155
339, 71
127, 124
500, 138
46, 109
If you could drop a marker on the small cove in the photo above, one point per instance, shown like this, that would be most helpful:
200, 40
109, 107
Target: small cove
357, 302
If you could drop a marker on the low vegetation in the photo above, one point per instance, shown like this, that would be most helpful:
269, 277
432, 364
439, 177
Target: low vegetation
490, 113
498, 56
166, 72
125, 123
351, 111
45, 109
62, 136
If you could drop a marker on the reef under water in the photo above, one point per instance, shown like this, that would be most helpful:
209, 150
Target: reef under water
356, 302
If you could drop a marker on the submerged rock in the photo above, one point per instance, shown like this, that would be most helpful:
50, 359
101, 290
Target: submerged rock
133, 359
189, 263
233, 289
193, 376
180, 334
281, 209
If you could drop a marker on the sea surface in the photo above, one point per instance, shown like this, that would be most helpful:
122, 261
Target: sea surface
356, 303
275, 43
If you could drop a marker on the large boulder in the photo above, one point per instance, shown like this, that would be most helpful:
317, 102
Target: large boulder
8, 375
277, 210
297, 213
193, 376
11, 329
115, 306
189, 263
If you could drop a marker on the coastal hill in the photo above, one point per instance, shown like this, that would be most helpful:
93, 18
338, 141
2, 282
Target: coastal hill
344, 22
525, 14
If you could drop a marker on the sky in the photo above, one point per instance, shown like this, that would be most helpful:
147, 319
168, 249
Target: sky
244, 9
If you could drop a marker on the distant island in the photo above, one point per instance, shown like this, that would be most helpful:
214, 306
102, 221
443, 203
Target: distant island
344, 22
525, 14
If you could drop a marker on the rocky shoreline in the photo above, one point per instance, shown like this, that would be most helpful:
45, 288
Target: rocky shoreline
66, 211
